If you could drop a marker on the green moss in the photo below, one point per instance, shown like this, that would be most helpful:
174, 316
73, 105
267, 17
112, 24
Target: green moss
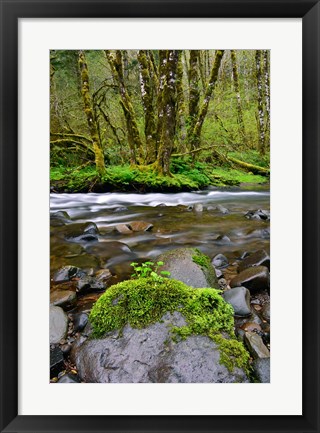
142, 302
201, 259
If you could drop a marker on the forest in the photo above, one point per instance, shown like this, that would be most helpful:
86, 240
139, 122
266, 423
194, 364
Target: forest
158, 120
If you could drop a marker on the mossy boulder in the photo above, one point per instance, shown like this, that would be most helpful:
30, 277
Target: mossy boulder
161, 331
190, 266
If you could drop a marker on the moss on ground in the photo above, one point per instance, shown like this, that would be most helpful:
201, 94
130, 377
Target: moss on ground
143, 301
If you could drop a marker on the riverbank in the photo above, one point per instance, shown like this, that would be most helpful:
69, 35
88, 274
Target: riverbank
143, 179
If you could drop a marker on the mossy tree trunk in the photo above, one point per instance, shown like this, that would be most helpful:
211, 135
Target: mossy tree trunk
194, 93
181, 106
266, 74
260, 103
238, 96
89, 112
134, 140
196, 134
146, 86
167, 100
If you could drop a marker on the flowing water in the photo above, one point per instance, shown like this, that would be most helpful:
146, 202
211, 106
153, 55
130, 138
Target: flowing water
175, 225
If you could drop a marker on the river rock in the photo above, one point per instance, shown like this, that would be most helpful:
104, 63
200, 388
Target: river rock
140, 226
239, 298
189, 266
89, 284
59, 218
69, 378
255, 345
80, 321
223, 239
255, 279
261, 368
251, 327
103, 275
82, 232
123, 229
222, 209
58, 324
265, 312
150, 356
66, 273
197, 207
108, 250
56, 361
259, 214
220, 261
120, 209
66, 249
258, 258
65, 299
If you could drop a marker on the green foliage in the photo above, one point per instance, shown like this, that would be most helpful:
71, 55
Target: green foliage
149, 270
201, 259
144, 301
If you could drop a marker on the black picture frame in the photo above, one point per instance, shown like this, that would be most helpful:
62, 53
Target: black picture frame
11, 11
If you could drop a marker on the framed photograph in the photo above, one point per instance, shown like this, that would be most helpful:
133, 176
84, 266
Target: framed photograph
159, 211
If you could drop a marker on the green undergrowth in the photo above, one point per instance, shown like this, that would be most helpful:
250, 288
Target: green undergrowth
143, 301
185, 177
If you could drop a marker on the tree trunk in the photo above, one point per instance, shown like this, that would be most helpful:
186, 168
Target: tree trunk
237, 91
88, 109
168, 99
261, 123
194, 92
181, 109
147, 96
195, 138
134, 139
266, 74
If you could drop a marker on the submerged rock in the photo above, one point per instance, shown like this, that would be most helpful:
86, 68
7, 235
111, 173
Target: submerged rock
140, 226
190, 266
65, 299
82, 232
149, 355
261, 368
66, 273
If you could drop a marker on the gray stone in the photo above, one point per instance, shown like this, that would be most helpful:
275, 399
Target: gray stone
239, 298
258, 258
255, 279
79, 321
259, 214
222, 209
120, 209
255, 345
123, 229
197, 207
82, 232
89, 284
65, 299
150, 356
66, 273
262, 369
265, 312
184, 264
223, 239
58, 324
220, 261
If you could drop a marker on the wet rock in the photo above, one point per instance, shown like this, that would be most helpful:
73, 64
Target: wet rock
120, 209
222, 209
259, 214
67, 273
79, 322
189, 266
220, 261
161, 205
198, 207
219, 273
265, 312
255, 345
82, 232
65, 349
58, 324
83, 261
65, 299
103, 275
89, 284
59, 218
108, 250
150, 356
261, 368
251, 327
69, 378
140, 226
239, 298
223, 285
66, 249
255, 279
258, 258
56, 361
259, 233
123, 229
223, 239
